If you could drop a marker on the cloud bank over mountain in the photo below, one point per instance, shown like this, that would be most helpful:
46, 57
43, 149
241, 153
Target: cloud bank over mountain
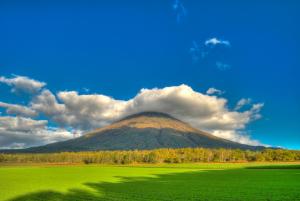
72, 112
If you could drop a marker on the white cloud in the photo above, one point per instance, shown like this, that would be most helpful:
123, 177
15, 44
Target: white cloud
212, 91
241, 103
23, 84
77, 112
20, 124
18, 110
46, 103
236, 136
255, 110
19, 132
215, 41
203, 111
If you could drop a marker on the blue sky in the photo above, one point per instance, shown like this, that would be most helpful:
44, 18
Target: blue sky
116, 48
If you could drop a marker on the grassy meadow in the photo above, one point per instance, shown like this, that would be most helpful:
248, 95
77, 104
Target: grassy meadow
205, 181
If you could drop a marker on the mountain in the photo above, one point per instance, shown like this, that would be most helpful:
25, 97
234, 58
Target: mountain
146, 130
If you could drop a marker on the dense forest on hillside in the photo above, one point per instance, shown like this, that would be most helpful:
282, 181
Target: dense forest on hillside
184, 155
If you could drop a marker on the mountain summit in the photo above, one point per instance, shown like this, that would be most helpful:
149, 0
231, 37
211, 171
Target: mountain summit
146, 130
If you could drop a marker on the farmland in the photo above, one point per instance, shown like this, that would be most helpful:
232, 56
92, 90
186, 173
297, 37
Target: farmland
198, 181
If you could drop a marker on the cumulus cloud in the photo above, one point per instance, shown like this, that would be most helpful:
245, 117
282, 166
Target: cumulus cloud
203, 111
20, 132
22, 84
215, 41
20, 124
212, 91
18, 110
47, 104
80, 113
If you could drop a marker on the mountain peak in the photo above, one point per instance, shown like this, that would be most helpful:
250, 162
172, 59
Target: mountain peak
145, 130
148, 119
149, 114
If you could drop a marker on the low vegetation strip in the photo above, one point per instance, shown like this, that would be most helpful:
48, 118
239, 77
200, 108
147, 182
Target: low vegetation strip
183, 155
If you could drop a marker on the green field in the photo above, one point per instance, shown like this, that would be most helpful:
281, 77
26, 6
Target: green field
145, 182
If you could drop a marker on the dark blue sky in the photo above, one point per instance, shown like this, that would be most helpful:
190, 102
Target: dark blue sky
117, 47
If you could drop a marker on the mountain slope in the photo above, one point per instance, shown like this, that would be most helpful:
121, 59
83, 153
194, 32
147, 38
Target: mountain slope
147, 130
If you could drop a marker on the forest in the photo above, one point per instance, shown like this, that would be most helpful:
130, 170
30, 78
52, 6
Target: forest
181, 155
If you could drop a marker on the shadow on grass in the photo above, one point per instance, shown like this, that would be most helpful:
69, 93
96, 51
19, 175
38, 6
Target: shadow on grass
219, 185
279, 167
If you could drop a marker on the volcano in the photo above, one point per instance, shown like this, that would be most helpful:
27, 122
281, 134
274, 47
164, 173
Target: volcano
142, 131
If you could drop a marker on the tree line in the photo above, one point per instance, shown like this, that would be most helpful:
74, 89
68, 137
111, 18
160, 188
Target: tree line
181, 155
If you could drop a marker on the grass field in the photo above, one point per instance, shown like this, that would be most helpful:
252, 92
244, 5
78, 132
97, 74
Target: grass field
145, 182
